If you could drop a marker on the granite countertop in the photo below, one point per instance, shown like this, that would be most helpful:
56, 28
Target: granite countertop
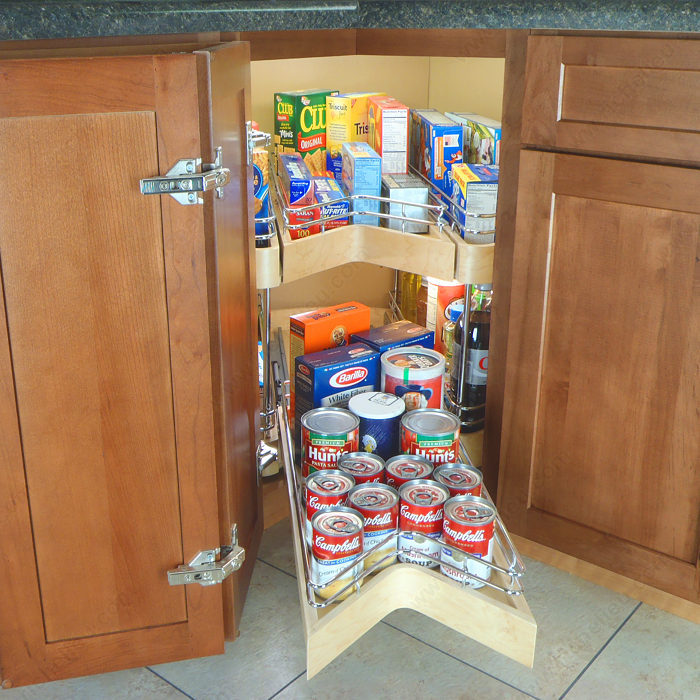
32, 19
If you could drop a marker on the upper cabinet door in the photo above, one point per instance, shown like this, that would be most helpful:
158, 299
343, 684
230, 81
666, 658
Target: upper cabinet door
600, 443
112, 465
637, 97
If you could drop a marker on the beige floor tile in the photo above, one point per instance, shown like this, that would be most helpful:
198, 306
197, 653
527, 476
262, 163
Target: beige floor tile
268, 654
656, 656
121, 685
386, 663
276, 547
574, 617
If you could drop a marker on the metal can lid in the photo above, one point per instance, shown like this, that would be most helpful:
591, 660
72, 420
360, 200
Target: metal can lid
413, 358
330, 421
360, 463
424, 492
376, 404
431, 421
338, 521
458, 475
373, 496
409, 466
470, 510
329, 481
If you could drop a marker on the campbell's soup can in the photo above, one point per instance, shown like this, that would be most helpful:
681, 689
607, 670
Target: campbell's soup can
461, 479
402, 468
415, 374
431, 433
379, 505
420, 520
336, 541
324, 490
362, 466
326, 433
380, 416
468, 527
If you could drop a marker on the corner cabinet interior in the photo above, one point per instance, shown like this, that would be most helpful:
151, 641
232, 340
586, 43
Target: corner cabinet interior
128, 400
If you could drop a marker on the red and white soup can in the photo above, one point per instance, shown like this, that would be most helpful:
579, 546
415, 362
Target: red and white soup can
420, 520
468, 527
336, 541
324, 490
326, 433
379, 505
431, 433
402, 468
461, 479
362, 466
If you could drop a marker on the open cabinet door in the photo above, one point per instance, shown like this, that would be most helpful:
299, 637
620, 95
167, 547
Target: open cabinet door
127, 411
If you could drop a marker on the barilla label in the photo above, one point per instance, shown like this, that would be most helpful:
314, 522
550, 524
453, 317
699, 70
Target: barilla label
296, 180
475, 190
364, 468
420, 520
324, 490
402, 468
362, 174
330, 198
460, 479
395, 335
432, 436
336, 541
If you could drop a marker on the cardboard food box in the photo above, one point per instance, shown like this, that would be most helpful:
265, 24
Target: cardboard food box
261, 188
303, 216
404, 188
395, 335
475, 189
346, 120
362, 174
331, 200
296, 180
300, 126
482, 138
388, 132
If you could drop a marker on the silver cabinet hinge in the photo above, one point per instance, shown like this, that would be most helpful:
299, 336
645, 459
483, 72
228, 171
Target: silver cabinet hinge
205, 569
255, 138
185, 182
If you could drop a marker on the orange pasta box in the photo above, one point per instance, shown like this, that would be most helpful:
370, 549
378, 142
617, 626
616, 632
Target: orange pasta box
388, 133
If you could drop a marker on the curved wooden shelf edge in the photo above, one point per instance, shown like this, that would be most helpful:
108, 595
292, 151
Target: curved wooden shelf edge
431, 254
268, 266
473, 262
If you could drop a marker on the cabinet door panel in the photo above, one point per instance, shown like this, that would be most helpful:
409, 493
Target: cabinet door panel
600, 438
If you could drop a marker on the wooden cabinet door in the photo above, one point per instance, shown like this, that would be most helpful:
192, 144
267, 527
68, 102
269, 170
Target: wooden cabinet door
113, 458
600, 444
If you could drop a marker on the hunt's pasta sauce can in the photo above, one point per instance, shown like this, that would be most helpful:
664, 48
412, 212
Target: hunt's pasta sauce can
324, 490
326, 433
363, 467
431, 433
380, 416
420, 520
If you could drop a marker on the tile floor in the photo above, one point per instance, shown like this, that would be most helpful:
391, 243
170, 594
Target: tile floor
592, 643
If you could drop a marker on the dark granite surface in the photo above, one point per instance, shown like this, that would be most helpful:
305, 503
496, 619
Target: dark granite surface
30, 19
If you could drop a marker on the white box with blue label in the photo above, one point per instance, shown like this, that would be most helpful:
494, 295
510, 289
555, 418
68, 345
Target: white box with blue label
362, 174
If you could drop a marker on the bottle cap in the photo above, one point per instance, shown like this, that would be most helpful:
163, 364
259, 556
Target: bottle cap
483, 287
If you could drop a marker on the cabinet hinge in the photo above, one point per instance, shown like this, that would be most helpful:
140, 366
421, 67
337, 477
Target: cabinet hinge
255, 138
205, 569
185, 181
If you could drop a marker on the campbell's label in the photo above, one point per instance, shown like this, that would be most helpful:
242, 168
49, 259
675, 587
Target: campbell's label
422, 507
379, 505
348, 377
337, 534
324, 490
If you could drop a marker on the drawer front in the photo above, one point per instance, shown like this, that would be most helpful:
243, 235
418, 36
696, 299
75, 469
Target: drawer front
633, 97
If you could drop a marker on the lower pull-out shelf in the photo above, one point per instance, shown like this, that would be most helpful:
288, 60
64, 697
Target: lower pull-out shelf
499, 620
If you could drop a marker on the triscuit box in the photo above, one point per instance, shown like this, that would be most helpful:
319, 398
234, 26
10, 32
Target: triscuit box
482, 138
346, 120
388, 132
475, 189
300, 126
296, 179
404, 188
332, 202
362, 174
395, 335
436, 142
261, 188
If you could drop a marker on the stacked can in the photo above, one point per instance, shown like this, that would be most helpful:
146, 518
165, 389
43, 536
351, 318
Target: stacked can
379, 415
379, 505
324, 490
362, 466
461, 479
420, 520
402, 468
336, 541
431, 433
468, 527
326, 433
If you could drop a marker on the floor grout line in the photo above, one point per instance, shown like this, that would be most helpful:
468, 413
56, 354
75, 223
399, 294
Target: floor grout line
296, 678
187, 695
600, 651
465, 663
277, 568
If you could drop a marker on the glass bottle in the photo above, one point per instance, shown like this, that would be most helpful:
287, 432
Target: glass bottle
455, 311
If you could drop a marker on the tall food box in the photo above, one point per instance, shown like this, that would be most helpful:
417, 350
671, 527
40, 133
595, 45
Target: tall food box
475, 189
346, 120
399, 190
482, 138
362, 174
388, 132
300, 126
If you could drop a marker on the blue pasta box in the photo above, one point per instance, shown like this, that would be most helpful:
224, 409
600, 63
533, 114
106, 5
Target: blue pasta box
395, 335
332, 202
362, 174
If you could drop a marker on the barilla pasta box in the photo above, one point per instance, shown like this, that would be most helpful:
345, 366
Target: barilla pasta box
482, 138
331, 202
362, 174
296, 179
400, 189
436, 146
388, 132
261, 188
346, 120
302, 219
395, 335
300, 126
475, 189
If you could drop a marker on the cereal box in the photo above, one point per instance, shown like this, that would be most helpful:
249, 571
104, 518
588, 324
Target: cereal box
296, 179
388, 132
482, 138
395, 335
330, 198
404, 188
475, 189
261, 188
436, 143
300, 126
362, 174
346, 120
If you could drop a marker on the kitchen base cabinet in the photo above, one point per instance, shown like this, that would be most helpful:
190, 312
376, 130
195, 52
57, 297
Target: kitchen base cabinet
128, 394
